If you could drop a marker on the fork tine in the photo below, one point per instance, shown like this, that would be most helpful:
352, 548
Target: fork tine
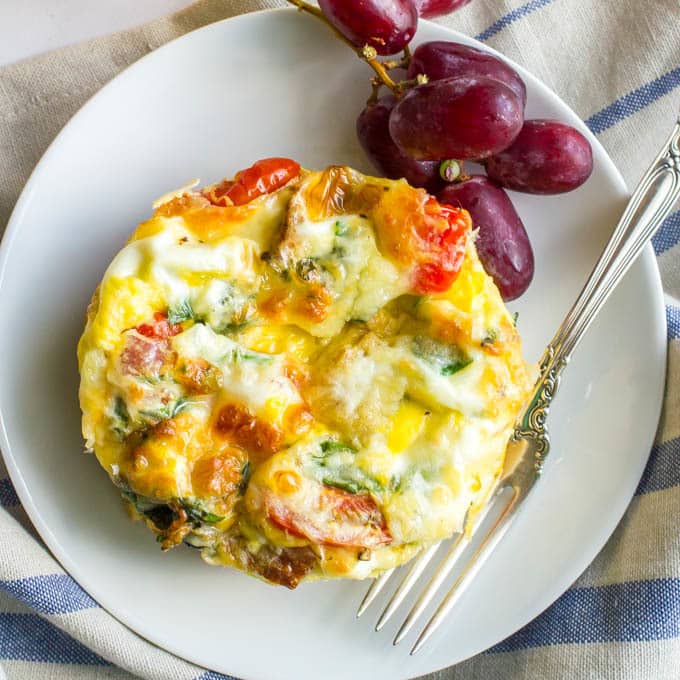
432, 587
374, 590
405, 586
472, 567
442, 572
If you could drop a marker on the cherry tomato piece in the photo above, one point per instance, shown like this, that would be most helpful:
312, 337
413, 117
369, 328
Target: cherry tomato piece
338, 518
444, 237
263, 177
502, 242
159, 328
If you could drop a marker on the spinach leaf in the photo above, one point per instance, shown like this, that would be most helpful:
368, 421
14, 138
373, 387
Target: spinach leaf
332, 446
181, 405
346, 485
197, 514
161, 515
232, 327
120, 409
350, 478
307, 269
396, 483
121, 418
456, 366
246, 471
446, 359
490, 337
166, 412
333, 468
243, 354
181, 312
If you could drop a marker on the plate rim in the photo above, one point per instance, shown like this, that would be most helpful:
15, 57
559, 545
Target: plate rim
647, 260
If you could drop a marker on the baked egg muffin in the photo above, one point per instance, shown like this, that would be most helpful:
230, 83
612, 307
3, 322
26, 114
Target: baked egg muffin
304, 374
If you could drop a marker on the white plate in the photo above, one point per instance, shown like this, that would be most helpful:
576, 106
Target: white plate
269, 84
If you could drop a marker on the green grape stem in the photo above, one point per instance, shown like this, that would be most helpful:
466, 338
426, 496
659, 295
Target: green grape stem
452, 171
370, 56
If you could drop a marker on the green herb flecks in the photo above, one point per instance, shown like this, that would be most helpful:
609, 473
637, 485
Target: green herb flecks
490, 337
181, 405
307, 269
452, 368
335, 465
166, 412
246, 471
232, 327
446, 359
396, 483
121, 418
242, 354
160, 514
181, 312
350, 479
330, 446
149, 379
198, 515
340, 228
345, 484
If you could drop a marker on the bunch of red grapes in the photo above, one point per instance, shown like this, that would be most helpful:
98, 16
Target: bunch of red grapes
459, 104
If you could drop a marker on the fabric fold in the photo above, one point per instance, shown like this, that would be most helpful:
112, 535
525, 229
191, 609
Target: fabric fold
618, 66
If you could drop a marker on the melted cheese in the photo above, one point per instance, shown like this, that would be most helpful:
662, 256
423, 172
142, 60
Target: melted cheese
263, 382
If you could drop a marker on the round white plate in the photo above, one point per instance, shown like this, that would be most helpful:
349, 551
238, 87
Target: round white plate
268, 84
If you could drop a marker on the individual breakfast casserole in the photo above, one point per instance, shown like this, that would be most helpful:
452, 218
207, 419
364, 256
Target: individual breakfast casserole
303, 374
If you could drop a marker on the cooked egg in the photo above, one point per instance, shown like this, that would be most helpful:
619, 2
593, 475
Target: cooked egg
302, 386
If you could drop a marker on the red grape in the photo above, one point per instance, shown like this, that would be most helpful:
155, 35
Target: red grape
386, 25
463, 118
441, 59
502, 242
374, 136
433, 8
547, 157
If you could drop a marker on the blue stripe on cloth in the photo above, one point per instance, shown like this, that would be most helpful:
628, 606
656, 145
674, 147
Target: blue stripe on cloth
212, 675
28, 637
663, 468
511, 17
622, 612
50, 594
673, 322
8, 496
634, 101
668, 234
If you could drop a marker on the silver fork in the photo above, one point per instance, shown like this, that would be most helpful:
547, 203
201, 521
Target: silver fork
651, 203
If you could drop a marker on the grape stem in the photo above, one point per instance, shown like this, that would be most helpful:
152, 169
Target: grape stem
404, 62
370, 56
376, 84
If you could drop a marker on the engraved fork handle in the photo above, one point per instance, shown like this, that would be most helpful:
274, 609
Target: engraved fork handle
649, 205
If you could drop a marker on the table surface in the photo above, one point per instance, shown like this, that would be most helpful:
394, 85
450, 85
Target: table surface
30, 27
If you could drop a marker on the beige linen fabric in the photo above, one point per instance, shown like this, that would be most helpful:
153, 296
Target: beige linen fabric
592, 53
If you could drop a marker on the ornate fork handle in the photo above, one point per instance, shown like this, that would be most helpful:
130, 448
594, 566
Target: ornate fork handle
651, 203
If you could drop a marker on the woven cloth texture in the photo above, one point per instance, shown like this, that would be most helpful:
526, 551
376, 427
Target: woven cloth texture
617, 64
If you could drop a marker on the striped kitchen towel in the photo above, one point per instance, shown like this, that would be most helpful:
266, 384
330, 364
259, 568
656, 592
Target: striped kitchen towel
617, 64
